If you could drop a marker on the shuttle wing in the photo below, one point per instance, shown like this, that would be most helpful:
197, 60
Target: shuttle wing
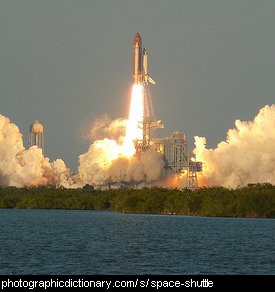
151, 80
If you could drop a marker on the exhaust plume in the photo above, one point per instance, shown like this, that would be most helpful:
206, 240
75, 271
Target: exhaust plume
96, 168
247, 155
104, 127
27, 167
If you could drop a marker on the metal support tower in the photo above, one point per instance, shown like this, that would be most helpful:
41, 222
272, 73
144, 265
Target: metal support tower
191, 177
179, 159
149, 123
191, 180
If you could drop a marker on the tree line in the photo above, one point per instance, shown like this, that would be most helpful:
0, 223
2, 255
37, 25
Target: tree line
250, 201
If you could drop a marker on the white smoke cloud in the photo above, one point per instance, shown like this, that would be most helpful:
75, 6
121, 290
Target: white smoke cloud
247, 155
104, 127
103, 163
27, 167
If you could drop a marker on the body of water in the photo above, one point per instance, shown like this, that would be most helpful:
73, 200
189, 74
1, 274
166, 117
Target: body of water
91, 242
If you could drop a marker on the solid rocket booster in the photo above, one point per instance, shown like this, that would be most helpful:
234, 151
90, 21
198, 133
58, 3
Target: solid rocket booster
140, 62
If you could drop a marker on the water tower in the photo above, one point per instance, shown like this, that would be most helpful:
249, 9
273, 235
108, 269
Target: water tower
36, 136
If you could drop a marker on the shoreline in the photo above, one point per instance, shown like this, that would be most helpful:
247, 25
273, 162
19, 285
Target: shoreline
247, 202
149, 214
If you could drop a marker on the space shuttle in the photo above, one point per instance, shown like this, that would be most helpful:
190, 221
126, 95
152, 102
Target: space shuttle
140, 63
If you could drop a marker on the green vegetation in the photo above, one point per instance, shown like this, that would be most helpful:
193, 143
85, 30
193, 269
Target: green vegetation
251, 201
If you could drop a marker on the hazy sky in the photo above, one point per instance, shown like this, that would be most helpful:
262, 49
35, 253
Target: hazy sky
66, 62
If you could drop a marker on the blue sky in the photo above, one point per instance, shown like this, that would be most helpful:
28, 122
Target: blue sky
67, 62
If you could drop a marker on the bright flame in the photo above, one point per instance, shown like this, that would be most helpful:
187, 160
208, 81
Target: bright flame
94, 164
133, 128
111, 149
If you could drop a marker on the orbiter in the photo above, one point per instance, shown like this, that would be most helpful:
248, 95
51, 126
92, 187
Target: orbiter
140, 62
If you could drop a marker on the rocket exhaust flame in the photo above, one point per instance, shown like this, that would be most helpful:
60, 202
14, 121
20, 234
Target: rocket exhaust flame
133, 129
